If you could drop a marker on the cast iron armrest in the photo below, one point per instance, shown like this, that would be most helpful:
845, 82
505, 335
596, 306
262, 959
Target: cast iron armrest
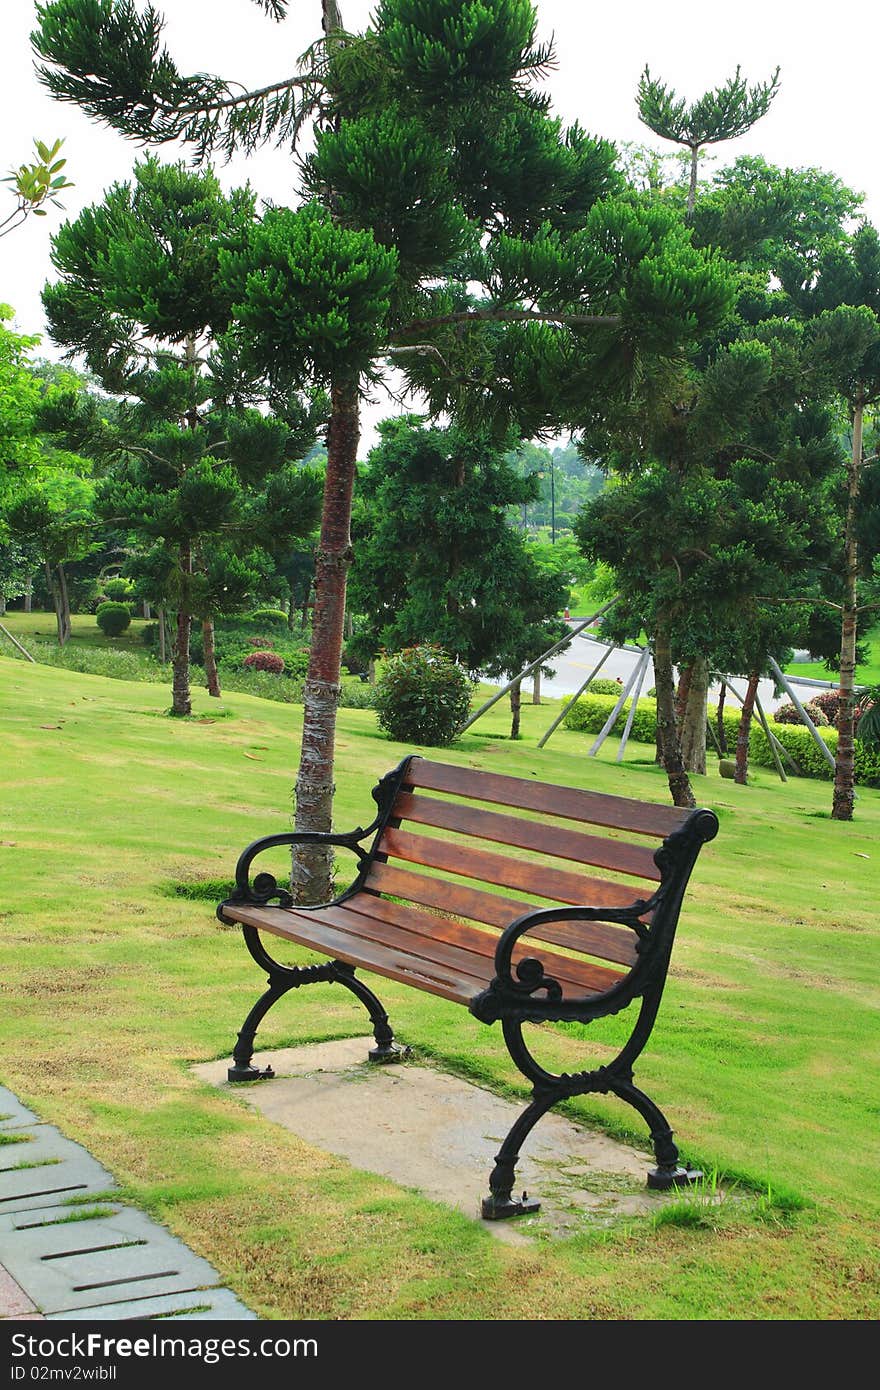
517, 984
264, 888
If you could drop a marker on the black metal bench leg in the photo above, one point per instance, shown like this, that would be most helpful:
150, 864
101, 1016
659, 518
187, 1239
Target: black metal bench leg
669, 1172
501, 1204
386, 1049
241, 1070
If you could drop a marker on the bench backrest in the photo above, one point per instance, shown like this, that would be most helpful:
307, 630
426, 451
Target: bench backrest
440, 810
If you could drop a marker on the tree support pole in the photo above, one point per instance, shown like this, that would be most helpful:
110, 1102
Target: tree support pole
817, 739
540, 662
16, 643
637, 690
612, 718
559, 718
775, 745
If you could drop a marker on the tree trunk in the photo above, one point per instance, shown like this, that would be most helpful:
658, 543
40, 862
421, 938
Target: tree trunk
692, 186
160, 614
722, 736
303, 622
291, 607
741, 771
57, 581
312, 865
2, 605
670, 749
536, 686
681, 694
844, 762
28, 595
145, 609
211, 677
181, 703
693, 724
515, 708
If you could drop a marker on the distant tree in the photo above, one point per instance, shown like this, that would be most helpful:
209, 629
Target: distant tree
724, 113
467, 582
141, 298
840, 293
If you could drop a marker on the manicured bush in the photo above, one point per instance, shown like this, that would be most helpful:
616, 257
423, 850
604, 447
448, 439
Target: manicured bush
113, 618
590, 712
604, 685
423, 697
265, 644
119, 590
788, 714
265, 661
268, 615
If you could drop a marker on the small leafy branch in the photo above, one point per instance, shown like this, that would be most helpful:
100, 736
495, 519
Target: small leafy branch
36, 184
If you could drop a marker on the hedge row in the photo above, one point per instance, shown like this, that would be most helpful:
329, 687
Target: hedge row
589, 713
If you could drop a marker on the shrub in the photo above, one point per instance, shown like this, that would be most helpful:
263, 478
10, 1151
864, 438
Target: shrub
268, 615
119, 590
265, 661
829, 703
788, 714
113, 618
604, 685
265, 644
423, 697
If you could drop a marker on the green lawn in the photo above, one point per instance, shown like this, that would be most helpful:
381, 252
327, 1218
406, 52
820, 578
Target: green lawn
764, 1056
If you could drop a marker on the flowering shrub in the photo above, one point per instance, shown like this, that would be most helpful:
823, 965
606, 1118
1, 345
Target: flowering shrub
265, 661
265, 644
787, 714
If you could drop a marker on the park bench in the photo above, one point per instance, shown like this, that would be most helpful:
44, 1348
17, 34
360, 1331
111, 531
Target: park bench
414, 914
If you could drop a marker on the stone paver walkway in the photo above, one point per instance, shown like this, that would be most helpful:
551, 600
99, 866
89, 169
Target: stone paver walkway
70, 1250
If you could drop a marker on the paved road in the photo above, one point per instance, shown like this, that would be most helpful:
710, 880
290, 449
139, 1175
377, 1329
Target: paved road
574, 665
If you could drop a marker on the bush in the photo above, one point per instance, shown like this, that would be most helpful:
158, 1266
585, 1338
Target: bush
113, 618
422, 697
265, 661
604, 685
589, 713
268, 615
119, 590
788, 714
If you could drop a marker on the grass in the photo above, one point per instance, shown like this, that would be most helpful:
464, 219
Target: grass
868, 673
764, 1055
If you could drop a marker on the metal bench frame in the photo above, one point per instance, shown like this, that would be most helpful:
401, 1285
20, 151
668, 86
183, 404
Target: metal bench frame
520, 992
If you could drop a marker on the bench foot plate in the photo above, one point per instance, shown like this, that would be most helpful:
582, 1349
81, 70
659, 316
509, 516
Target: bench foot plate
502, 1208
249, 1074
663, 1178
389, 1052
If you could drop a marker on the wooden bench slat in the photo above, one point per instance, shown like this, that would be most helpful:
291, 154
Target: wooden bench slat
499, 911
466, 949
454, 898
554, 840
509, 871
591, 977
395, 964
597, 808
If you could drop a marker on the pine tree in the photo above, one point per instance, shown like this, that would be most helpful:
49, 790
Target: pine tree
724, 113
140, 297
839, 293
436, 169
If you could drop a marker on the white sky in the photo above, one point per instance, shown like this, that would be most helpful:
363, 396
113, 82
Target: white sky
824, 115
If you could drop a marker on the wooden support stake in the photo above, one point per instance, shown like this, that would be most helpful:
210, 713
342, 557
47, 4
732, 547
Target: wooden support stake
612, 718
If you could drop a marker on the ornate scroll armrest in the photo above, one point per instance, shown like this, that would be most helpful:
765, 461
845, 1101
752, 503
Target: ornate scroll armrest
264, 888
528, 976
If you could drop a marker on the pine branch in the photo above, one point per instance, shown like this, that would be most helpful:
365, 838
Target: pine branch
509, 316
108, 58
